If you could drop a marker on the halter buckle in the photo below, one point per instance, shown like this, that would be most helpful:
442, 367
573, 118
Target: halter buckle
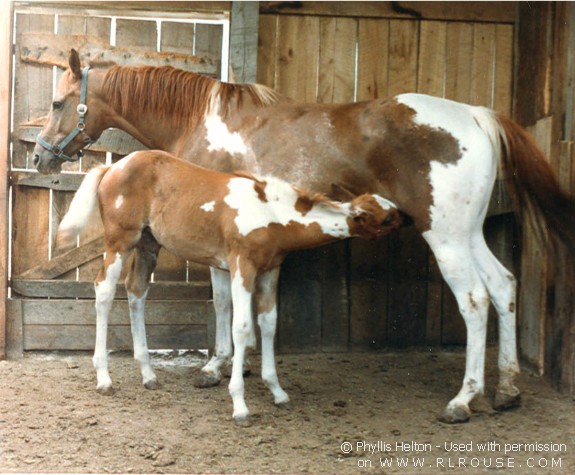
82, 109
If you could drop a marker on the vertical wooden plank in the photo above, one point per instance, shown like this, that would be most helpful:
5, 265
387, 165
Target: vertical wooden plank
298, 51
458, 61
5, 89
32, 84
482, 73
369, 276
432, 61
403, 55
337, 60
372, 59
244, 26
29, 228
503, 88
99, 26
300, 294
267, 50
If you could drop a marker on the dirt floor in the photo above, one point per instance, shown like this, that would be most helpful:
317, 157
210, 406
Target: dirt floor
350, 413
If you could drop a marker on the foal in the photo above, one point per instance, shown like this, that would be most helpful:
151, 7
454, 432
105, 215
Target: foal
237, 223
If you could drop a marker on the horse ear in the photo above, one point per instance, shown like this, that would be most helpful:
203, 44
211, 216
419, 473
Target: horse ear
339, 192
75, 64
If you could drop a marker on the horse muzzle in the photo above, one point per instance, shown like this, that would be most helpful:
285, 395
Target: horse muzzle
45, 161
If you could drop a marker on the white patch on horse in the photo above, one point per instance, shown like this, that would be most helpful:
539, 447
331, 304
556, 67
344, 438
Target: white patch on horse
385, 204
219, 136
119, 201
457, 185
280, 208
208, 207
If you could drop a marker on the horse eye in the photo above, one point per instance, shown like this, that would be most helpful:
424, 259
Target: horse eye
387, 221
56, 105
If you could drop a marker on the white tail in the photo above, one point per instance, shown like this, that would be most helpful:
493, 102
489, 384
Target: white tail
81, 207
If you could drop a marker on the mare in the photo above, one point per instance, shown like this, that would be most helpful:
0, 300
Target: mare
435, 159
236, 223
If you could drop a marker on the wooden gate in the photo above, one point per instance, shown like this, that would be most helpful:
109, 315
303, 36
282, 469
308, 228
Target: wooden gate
51, 306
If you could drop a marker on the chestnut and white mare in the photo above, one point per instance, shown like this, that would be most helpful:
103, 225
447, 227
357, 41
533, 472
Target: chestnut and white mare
239, 224
435, 158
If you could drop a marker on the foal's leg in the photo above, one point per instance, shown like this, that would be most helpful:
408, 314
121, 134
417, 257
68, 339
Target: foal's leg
501, 285
211, 374
456, 263
243, 281
105, 286
137, 283
267, 317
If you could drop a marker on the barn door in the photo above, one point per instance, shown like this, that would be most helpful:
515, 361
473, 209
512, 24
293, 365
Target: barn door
52, 292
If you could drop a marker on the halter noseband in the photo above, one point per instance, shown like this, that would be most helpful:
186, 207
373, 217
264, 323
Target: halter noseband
58, 150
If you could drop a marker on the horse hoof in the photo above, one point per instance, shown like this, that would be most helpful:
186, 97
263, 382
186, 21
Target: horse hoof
206, 380
152, 384
243, 421
504, 401
455, 414
284, 405
105, 390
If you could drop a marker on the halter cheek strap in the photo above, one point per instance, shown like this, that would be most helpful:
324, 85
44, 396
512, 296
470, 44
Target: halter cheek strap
82, 109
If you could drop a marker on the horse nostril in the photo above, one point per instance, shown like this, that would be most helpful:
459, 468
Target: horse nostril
36, 159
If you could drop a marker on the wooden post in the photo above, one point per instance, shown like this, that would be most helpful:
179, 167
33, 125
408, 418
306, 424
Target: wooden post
5, 83
244, 27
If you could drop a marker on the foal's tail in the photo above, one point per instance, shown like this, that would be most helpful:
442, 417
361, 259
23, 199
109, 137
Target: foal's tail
81, 208
532, 184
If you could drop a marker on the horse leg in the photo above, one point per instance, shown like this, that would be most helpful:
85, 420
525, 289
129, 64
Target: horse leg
266, 303
456, 263
105, 287
501, 285
211, 374
243, 280
137, 283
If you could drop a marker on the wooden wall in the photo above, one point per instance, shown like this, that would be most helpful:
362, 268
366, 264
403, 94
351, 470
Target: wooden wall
362, 295
545, 102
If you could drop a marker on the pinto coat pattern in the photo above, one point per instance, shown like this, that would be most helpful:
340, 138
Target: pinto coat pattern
237, 223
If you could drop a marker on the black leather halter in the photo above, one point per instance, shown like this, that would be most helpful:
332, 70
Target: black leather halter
82, 109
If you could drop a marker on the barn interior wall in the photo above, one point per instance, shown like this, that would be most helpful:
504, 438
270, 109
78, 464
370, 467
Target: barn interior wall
544, 101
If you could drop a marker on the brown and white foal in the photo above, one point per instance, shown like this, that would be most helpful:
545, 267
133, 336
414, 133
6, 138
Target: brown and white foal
238, 223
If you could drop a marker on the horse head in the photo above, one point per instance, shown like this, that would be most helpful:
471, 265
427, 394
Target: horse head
372, 217
70, 126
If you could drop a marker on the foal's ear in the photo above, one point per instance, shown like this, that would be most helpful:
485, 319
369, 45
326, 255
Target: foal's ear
75, 64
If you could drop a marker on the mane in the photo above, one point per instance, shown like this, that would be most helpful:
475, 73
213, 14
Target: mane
176, 94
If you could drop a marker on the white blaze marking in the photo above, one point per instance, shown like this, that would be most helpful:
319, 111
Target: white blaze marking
383, 203
119, 201
280, 208
208, 207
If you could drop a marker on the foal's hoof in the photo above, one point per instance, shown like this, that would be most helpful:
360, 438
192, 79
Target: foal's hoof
243, 421
106, 390
206, 380
505, 400
152, 384
455, 414
284, 405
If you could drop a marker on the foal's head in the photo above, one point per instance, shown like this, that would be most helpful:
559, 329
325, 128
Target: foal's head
70, 125
372, 217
